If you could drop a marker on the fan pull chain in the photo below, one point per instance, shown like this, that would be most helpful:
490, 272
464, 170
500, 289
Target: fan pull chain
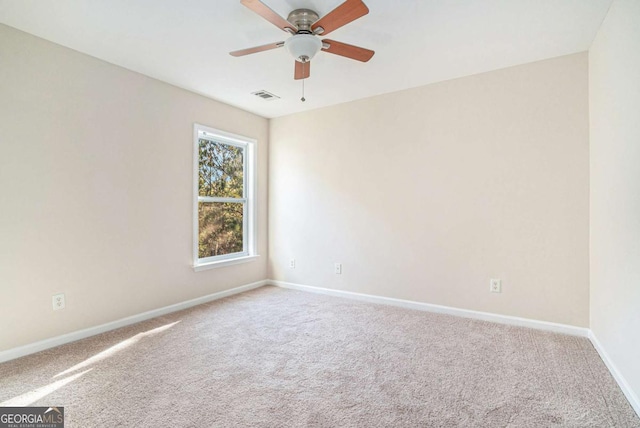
303, 99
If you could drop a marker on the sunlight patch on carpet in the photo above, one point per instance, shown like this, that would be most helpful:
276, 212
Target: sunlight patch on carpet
116, 348
33, 396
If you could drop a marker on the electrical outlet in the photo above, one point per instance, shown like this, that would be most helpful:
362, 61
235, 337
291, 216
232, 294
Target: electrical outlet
58, 301
292, 263
495, 285
337, 269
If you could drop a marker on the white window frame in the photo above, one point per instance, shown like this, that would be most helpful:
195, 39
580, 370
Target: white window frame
249, 219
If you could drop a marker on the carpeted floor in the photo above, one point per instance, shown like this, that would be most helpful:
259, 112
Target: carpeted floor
280, 358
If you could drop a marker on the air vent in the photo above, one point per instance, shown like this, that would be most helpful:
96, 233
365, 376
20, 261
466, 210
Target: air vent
268, 96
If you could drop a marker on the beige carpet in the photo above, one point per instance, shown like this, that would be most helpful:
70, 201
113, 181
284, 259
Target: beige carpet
281, 358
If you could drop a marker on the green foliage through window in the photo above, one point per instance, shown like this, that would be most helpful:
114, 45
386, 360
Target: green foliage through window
221, 169
220, 228
221, 175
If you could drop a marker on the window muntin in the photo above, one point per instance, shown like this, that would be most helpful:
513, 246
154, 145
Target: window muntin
224, 203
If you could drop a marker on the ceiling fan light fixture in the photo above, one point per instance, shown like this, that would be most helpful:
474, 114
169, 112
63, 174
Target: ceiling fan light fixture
303, 47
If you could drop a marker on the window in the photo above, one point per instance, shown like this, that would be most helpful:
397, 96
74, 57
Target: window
224, 202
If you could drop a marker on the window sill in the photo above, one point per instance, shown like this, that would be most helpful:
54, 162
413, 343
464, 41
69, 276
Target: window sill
223, 263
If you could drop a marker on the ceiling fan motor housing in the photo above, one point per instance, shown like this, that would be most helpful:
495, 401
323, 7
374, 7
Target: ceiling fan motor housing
302, 19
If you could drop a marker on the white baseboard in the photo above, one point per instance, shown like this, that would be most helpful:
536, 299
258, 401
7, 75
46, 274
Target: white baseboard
485, 316
32, 348
624, 386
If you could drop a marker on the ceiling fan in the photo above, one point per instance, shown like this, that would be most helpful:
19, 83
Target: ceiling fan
305, 26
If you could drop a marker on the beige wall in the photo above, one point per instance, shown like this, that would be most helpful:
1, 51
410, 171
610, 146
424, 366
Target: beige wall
96, 191
614, 88
425, 194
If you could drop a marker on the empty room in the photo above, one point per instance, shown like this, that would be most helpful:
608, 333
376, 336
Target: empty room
305, 213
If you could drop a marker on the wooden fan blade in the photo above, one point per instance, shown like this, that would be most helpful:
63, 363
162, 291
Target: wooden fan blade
256, 49
348, 11
303, 70
265, 11
349, 51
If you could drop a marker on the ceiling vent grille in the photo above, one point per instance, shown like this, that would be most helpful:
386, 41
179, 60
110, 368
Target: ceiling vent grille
265, 95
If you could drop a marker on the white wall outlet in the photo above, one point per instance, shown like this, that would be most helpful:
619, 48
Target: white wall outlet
337, 268
495, 285
58, 301
292, 263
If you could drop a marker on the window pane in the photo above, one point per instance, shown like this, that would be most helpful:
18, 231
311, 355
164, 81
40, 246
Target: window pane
221, 171
220, 228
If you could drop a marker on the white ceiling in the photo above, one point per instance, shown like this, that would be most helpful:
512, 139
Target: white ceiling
186, 42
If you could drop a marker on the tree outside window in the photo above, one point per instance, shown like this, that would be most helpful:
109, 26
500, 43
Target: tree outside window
223, 195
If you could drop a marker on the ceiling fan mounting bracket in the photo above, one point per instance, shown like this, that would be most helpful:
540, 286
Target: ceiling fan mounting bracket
302, 19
